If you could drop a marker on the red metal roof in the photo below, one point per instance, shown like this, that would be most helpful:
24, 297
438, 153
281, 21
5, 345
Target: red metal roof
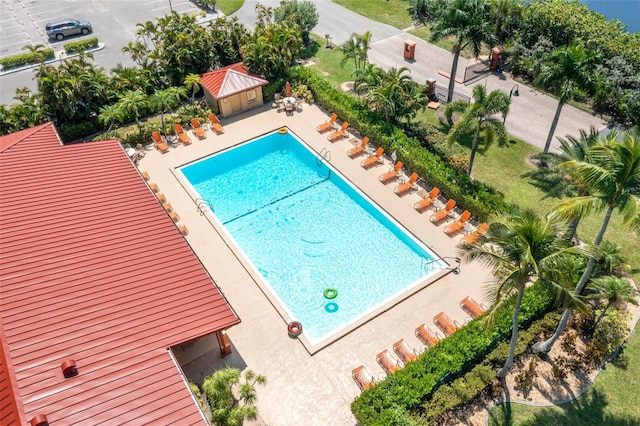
232, 79
94, 270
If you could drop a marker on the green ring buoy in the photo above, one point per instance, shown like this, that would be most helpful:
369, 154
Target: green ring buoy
330, 293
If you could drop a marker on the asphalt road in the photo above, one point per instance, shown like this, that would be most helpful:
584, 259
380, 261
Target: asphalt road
114, 23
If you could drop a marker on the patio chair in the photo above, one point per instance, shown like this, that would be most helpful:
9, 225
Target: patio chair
439, 216
373, 159
360, 149
388, 362
161, 145
363, 379
183, 229
339, 134
427, 201
405, 351
174, 216
444, 323
145, 175
161, 197
182, 135
456, 226
427, 336
154, 187
197, 129
215, 124
473, 237
473, 308
327, 125
168, 207
392, 174
406, 186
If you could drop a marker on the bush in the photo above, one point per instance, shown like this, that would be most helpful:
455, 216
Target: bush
74, 131
81, 46
413, 387
26, 58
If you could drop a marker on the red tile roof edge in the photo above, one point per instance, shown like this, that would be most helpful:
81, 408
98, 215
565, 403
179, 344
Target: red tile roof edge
7, 141
12, 411
214, 81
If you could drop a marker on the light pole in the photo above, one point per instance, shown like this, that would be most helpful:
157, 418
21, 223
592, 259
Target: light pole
513, 92
170, 6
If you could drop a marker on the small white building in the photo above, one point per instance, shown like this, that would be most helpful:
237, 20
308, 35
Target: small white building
233, 89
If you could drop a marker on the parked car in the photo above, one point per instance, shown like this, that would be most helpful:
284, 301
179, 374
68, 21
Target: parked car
67, 27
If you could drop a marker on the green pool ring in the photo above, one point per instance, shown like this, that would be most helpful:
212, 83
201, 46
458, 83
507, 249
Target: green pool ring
330, 293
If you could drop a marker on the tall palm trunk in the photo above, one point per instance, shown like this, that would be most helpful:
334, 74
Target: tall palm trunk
554, 124
547, 344
452, 79
572, 229
474, 147
514, 334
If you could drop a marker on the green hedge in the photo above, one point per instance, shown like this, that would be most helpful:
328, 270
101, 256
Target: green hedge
81, 46
471, 195
410, 389
26, 58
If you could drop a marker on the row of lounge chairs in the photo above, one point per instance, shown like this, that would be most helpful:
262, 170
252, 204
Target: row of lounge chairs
166, 205
406, 353
162, 145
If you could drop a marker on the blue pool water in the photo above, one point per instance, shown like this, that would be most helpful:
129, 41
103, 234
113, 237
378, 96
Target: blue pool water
305, 229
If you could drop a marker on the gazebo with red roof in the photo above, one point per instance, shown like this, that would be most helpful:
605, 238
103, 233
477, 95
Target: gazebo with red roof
233, 89
96, 285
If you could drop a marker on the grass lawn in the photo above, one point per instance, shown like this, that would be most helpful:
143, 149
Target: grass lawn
328, 63
229, 7
391, 12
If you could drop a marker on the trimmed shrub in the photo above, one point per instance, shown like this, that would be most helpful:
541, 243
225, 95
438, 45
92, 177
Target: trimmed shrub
75, 131
26, 58
81, 46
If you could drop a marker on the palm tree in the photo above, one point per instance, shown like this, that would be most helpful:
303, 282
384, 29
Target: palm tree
556, 179
356, 48
613, 179
520, 247
166, 99
467, 22
38, 51
130, 103
480, 116
615, 291
110, 115
506, 15
221, 389
568, 69
193, 83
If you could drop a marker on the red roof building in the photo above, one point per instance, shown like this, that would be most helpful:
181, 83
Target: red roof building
96, 283
233, 89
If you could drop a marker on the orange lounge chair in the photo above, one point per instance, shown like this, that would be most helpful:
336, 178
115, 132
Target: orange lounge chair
215, 124
145, 175
444, 323
154, 187
405, 351
456, 226
174, 216
339, 134
363, 379
183, 229
168, 207
427, 201
354, 152
427, 336
388, 362
161, 145
392, 174
373, 159
184, 138
328, 125
160, 196
405, 187
473, 308
442, 214
197, 129
473, 237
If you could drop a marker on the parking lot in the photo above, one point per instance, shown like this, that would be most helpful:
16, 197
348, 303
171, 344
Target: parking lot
22, 23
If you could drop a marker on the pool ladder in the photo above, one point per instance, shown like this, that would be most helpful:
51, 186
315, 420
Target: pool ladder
203, 206
325, 155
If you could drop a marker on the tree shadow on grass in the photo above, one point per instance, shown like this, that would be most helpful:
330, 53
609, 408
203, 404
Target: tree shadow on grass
586, 410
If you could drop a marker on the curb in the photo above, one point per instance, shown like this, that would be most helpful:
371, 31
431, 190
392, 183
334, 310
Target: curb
59, 57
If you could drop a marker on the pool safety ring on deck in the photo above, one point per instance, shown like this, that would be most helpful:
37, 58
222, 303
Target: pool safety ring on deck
330, 293
331, 307
283, 130
294, 328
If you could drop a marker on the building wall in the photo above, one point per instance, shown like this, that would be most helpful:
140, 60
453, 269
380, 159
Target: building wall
238, 103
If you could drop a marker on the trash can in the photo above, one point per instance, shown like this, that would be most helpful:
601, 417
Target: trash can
496, 58
409, 49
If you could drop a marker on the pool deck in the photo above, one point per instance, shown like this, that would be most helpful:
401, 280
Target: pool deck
302, 388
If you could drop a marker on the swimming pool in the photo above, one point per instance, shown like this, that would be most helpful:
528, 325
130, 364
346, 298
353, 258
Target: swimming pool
304, 228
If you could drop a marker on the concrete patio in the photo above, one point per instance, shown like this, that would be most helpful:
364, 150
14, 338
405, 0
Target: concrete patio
302, 388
